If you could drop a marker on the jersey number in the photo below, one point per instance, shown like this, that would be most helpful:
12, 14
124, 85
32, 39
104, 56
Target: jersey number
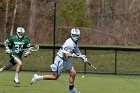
18, 48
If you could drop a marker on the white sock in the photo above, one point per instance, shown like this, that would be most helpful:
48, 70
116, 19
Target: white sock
40, 77
1, 69
16, 75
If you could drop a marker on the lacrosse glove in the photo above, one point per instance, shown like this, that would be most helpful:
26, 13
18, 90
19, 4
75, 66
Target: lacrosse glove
84, 58
8, 51
26, 53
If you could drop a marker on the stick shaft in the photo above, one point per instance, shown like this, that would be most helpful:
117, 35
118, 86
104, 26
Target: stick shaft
91, 65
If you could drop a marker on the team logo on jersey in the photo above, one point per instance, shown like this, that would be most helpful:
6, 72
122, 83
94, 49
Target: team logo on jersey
68, 49
19, 43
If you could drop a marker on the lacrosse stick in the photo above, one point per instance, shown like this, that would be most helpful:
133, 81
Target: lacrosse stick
91, 65
34, 48
88, 62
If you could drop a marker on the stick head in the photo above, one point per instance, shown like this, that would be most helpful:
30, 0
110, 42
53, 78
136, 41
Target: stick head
34, 48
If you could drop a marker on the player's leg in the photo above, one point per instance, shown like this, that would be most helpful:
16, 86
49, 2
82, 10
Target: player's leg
36, 77
72, 74
8, 66
56, 68
2, 68
54, 76
18, 67
71, 81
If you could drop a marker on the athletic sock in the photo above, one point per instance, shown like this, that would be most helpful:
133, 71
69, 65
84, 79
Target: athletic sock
1, 69
16, 75
40, 77
71, 86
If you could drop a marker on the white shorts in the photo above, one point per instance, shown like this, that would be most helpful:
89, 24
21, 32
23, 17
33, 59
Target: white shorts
59, 64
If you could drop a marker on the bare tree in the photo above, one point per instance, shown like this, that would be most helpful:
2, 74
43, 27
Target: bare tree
13, 20
6, 18
131, 5
32, 18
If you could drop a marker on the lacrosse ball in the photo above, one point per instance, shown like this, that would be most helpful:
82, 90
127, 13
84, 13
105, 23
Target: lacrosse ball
83, 76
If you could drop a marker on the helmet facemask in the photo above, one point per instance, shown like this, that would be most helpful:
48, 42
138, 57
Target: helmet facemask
75, 37
20, 32
75, 34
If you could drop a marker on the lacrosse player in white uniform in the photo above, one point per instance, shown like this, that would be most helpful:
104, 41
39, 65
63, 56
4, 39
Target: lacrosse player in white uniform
62, 60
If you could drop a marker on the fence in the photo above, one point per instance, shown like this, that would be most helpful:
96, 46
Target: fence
108, 60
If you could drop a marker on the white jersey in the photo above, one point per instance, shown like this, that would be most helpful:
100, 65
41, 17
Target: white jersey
69, 46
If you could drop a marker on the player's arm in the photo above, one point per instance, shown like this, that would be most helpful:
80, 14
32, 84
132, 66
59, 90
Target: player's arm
27, 43
67, 52
68, 55
27, 46
67, 49
78, 54
70, 52
7, 43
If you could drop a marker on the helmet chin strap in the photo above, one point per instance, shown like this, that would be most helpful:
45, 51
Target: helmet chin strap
20, 36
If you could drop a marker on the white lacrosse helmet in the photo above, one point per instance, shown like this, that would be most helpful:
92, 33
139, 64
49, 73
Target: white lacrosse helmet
75, 34
20, 32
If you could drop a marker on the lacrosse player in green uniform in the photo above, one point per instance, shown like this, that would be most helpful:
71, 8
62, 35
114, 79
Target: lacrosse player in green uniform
14, 46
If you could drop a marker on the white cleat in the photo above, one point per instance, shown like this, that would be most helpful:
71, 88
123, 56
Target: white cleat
1, 69
17, 81
34, 79
74, 90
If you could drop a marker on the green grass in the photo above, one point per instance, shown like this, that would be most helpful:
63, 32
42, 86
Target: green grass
104, 61
92, 83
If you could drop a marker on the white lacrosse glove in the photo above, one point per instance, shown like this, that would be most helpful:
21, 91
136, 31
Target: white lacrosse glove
8, 51
84, 58
26, 53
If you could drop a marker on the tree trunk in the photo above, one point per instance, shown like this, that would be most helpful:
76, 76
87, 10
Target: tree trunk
6, 19
32, 19
13, 21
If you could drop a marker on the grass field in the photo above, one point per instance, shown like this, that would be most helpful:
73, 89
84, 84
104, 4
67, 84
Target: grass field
104, 61
128, 62
92, 83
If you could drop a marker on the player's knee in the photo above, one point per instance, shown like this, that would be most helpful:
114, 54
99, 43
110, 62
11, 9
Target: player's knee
56, 77
73, 73
19, 63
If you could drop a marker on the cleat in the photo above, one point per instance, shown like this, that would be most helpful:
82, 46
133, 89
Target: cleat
1, 69
74, 90
17, 81
34, 79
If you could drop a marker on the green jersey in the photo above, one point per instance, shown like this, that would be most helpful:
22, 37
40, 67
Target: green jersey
17, 45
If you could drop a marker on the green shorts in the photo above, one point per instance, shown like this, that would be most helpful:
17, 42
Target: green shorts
12, 61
